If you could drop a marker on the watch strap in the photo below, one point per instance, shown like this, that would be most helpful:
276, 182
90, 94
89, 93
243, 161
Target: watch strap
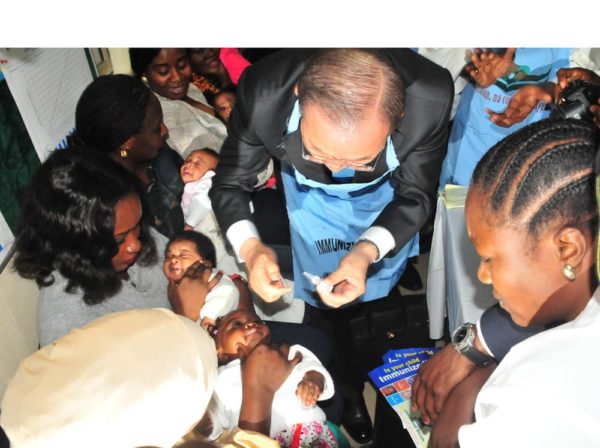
476, 357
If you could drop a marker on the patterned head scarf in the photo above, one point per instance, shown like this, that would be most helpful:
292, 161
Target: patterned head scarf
129, 379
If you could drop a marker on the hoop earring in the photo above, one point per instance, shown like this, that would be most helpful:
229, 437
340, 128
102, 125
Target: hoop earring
569, 272
123, 153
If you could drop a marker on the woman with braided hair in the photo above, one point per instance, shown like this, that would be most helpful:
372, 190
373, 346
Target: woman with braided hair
531, 214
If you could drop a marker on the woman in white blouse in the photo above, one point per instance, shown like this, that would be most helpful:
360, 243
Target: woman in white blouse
192, 123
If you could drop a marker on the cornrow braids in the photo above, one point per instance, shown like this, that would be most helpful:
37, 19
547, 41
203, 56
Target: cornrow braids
542, 174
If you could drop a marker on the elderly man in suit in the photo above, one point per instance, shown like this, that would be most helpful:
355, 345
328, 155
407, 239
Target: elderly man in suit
359, 136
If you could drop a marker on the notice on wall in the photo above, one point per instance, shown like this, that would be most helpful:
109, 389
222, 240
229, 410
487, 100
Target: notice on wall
46, 84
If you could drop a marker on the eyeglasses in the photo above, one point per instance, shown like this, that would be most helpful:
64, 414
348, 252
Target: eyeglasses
340, 163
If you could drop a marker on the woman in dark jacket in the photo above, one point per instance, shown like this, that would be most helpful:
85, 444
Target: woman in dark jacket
119, 116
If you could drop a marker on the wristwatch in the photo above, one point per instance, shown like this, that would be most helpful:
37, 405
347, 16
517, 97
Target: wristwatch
463, 339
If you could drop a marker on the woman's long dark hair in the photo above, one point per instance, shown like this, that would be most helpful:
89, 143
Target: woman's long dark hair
67, 223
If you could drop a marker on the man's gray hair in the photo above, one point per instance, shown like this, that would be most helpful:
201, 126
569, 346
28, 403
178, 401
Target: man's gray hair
348, 83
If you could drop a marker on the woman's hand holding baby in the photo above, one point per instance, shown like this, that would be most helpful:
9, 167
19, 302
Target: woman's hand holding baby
188, 294
264, 369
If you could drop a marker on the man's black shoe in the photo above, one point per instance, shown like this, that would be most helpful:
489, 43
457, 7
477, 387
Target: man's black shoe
411, 279
356, 420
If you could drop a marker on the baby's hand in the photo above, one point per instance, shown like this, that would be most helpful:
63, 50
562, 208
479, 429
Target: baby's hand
308, 392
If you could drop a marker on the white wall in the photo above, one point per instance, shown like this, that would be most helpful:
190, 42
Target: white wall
120, 61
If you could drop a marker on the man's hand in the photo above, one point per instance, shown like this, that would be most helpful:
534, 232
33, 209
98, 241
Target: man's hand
264, 276
566, 75
349, 280
436, 379
188, 294
522, 104
264, 369
487, 66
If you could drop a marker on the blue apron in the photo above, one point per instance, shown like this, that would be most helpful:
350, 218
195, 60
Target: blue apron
327, 219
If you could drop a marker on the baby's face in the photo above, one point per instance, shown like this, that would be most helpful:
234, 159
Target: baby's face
196, 165
224, 103
239, 332
179, 256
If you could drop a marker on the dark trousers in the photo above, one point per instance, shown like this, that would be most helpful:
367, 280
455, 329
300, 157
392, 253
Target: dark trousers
4, 443
348, 368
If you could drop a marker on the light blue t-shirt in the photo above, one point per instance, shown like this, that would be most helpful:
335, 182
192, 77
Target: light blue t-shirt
473, 133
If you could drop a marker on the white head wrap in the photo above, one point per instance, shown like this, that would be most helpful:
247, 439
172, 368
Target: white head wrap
128, 379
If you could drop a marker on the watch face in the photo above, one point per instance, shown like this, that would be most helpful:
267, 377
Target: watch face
459, 334
462, 340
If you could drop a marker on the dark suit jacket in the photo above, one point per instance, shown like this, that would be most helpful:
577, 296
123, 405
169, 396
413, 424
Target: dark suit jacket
258, 125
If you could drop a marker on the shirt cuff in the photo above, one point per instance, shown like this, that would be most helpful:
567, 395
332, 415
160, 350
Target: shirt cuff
240, 232
381, 237
482, 340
